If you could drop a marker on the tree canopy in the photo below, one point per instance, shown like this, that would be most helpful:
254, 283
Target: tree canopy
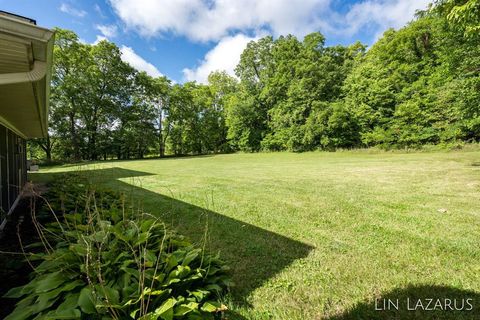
414, 86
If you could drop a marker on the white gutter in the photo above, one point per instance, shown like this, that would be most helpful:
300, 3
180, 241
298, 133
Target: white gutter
38, 72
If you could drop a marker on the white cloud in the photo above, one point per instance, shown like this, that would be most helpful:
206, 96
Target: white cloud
66, 8
129, 56
205, 20
381, 14
109, 31
223, 57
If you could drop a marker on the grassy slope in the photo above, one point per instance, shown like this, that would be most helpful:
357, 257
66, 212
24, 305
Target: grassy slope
320, 234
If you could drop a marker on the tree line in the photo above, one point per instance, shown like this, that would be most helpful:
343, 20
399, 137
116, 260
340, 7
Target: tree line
418, 85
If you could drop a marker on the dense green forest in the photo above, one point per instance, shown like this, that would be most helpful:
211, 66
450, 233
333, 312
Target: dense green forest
418, 85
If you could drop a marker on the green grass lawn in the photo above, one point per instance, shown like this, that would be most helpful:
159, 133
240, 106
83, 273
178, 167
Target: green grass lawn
321, 235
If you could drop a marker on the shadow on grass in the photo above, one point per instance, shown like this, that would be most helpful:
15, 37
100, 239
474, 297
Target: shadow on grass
256, 254
253, 253
465, 305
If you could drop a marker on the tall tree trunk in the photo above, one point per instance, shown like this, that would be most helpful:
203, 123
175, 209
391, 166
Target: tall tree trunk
48, 154
93, 135
47, 147
161, 142
93, 146
74, 138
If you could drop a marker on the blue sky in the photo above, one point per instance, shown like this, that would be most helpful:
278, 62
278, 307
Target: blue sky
187, 39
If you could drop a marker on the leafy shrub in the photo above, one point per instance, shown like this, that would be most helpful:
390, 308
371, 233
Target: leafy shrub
101, 262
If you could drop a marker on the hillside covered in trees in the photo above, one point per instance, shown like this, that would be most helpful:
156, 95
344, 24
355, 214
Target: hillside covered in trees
418, 85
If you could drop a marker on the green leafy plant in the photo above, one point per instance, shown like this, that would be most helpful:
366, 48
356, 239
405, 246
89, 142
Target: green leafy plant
102, 262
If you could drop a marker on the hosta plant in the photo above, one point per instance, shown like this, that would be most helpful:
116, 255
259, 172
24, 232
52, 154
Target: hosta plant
102, 263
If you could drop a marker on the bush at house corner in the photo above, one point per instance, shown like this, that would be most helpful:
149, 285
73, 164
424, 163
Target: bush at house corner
102, 263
